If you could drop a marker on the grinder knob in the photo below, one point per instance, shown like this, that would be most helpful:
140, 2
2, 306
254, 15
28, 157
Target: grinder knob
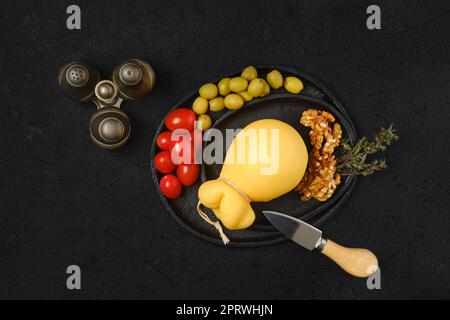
134, 79
78, 79
110, 127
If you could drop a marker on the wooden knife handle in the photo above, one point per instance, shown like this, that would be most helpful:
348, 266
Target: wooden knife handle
358, 262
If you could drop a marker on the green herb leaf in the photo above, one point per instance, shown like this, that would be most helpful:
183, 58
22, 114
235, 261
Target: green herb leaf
353, 160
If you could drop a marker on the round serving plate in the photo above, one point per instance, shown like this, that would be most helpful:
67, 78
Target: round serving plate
279, 105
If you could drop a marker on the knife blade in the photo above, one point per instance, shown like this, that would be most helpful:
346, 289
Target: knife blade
356, 261
299, 231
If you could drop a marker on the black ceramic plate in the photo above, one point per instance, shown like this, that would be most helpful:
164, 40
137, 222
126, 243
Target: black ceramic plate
278, 105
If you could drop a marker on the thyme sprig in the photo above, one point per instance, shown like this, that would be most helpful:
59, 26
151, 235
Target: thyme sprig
354, 162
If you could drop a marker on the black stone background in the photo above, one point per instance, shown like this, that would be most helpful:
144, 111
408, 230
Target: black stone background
65, 201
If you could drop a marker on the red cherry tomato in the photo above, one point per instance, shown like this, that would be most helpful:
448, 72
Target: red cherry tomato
170, 186
163, 140
163, 162
182, 148
177, 152
188, 173
195, 135
181, 118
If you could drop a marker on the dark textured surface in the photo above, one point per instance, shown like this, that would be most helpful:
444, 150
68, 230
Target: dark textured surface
64, 201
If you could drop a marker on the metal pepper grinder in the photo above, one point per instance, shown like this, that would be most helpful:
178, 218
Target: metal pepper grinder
109, 126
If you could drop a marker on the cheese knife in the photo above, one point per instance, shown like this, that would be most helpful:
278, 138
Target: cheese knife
356, 261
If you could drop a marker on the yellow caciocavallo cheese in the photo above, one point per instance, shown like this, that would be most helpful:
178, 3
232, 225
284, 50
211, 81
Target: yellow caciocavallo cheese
266, 159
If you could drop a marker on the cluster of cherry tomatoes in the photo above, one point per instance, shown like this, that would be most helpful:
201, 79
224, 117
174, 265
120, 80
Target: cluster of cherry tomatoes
170, 159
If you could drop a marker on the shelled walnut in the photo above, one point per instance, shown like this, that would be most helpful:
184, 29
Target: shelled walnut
320, 179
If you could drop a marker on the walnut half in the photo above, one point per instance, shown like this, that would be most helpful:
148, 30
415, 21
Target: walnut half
320, 179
